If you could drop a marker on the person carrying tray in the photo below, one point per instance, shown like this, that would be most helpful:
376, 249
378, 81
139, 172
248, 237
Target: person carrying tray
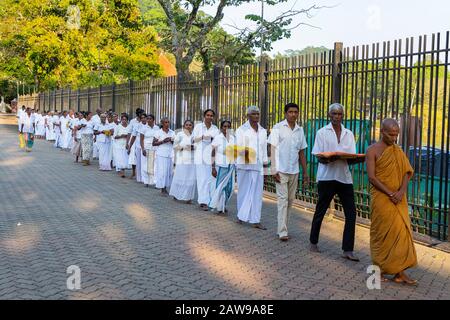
334, 177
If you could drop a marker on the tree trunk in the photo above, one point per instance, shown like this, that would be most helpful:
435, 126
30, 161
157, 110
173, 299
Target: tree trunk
182, 76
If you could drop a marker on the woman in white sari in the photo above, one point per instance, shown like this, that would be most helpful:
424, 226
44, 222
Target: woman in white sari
148, 132
49, 131
131, 146
184, 181
86, 127
103, 131
163, 140
113, 120
135, 141
120, 145
76, 148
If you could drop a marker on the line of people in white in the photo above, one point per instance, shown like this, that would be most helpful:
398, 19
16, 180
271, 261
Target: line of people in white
192, 162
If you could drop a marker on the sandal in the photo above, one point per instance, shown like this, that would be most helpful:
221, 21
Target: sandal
403, 281
259, 226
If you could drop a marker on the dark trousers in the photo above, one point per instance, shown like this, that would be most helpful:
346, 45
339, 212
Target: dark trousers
327, 190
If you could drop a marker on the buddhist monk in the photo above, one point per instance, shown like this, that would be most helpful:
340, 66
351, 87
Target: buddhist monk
391, 240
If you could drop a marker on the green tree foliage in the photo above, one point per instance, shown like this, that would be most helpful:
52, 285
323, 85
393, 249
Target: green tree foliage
75, 43
219, 48
189, 30
305, 51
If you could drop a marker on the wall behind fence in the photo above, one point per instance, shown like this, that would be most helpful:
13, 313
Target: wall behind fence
407, 80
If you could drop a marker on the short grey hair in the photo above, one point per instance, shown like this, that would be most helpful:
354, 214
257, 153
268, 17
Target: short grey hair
252, 109
336, 106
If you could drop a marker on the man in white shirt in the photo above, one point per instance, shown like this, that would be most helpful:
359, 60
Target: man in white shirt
203, 135
288, 145
250, 174
19, 116
334, 177
27, 127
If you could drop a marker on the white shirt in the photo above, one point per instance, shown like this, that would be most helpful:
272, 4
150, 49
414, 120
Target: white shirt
27, 122
182, 141
73, 122
89, 129
148, 133
287, 143
119, 131
96, 119
64, 121
103, 127
202, 154
56, 123
38, 119
165, 149
326, 141
220, 143
247, 137
20, 114
134, 124
76, 122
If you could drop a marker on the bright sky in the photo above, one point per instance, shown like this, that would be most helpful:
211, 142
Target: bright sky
353, 22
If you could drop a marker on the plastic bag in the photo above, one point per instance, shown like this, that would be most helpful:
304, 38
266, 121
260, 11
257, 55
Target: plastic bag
21, 141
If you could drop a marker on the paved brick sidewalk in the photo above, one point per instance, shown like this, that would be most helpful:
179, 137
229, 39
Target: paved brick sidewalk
132, 243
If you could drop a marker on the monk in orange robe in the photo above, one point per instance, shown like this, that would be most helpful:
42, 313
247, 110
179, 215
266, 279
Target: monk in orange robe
391, 240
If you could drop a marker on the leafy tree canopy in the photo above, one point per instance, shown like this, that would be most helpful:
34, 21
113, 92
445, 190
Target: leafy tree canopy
77, 43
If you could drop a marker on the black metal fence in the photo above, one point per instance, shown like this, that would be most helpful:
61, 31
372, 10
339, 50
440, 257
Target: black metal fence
407, 80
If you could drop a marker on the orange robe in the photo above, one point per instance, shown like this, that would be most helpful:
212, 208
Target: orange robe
391, 241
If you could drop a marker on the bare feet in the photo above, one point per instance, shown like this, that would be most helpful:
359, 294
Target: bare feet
284, 238
314, 248
402, 277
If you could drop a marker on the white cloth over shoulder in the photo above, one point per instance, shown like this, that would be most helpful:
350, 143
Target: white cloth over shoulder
246, 136
203, 147
220, 143
164, 150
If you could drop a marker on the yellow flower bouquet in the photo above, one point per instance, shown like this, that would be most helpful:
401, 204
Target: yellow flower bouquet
232, 152
107, 133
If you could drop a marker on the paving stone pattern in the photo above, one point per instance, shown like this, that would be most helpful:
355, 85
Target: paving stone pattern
132, 243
